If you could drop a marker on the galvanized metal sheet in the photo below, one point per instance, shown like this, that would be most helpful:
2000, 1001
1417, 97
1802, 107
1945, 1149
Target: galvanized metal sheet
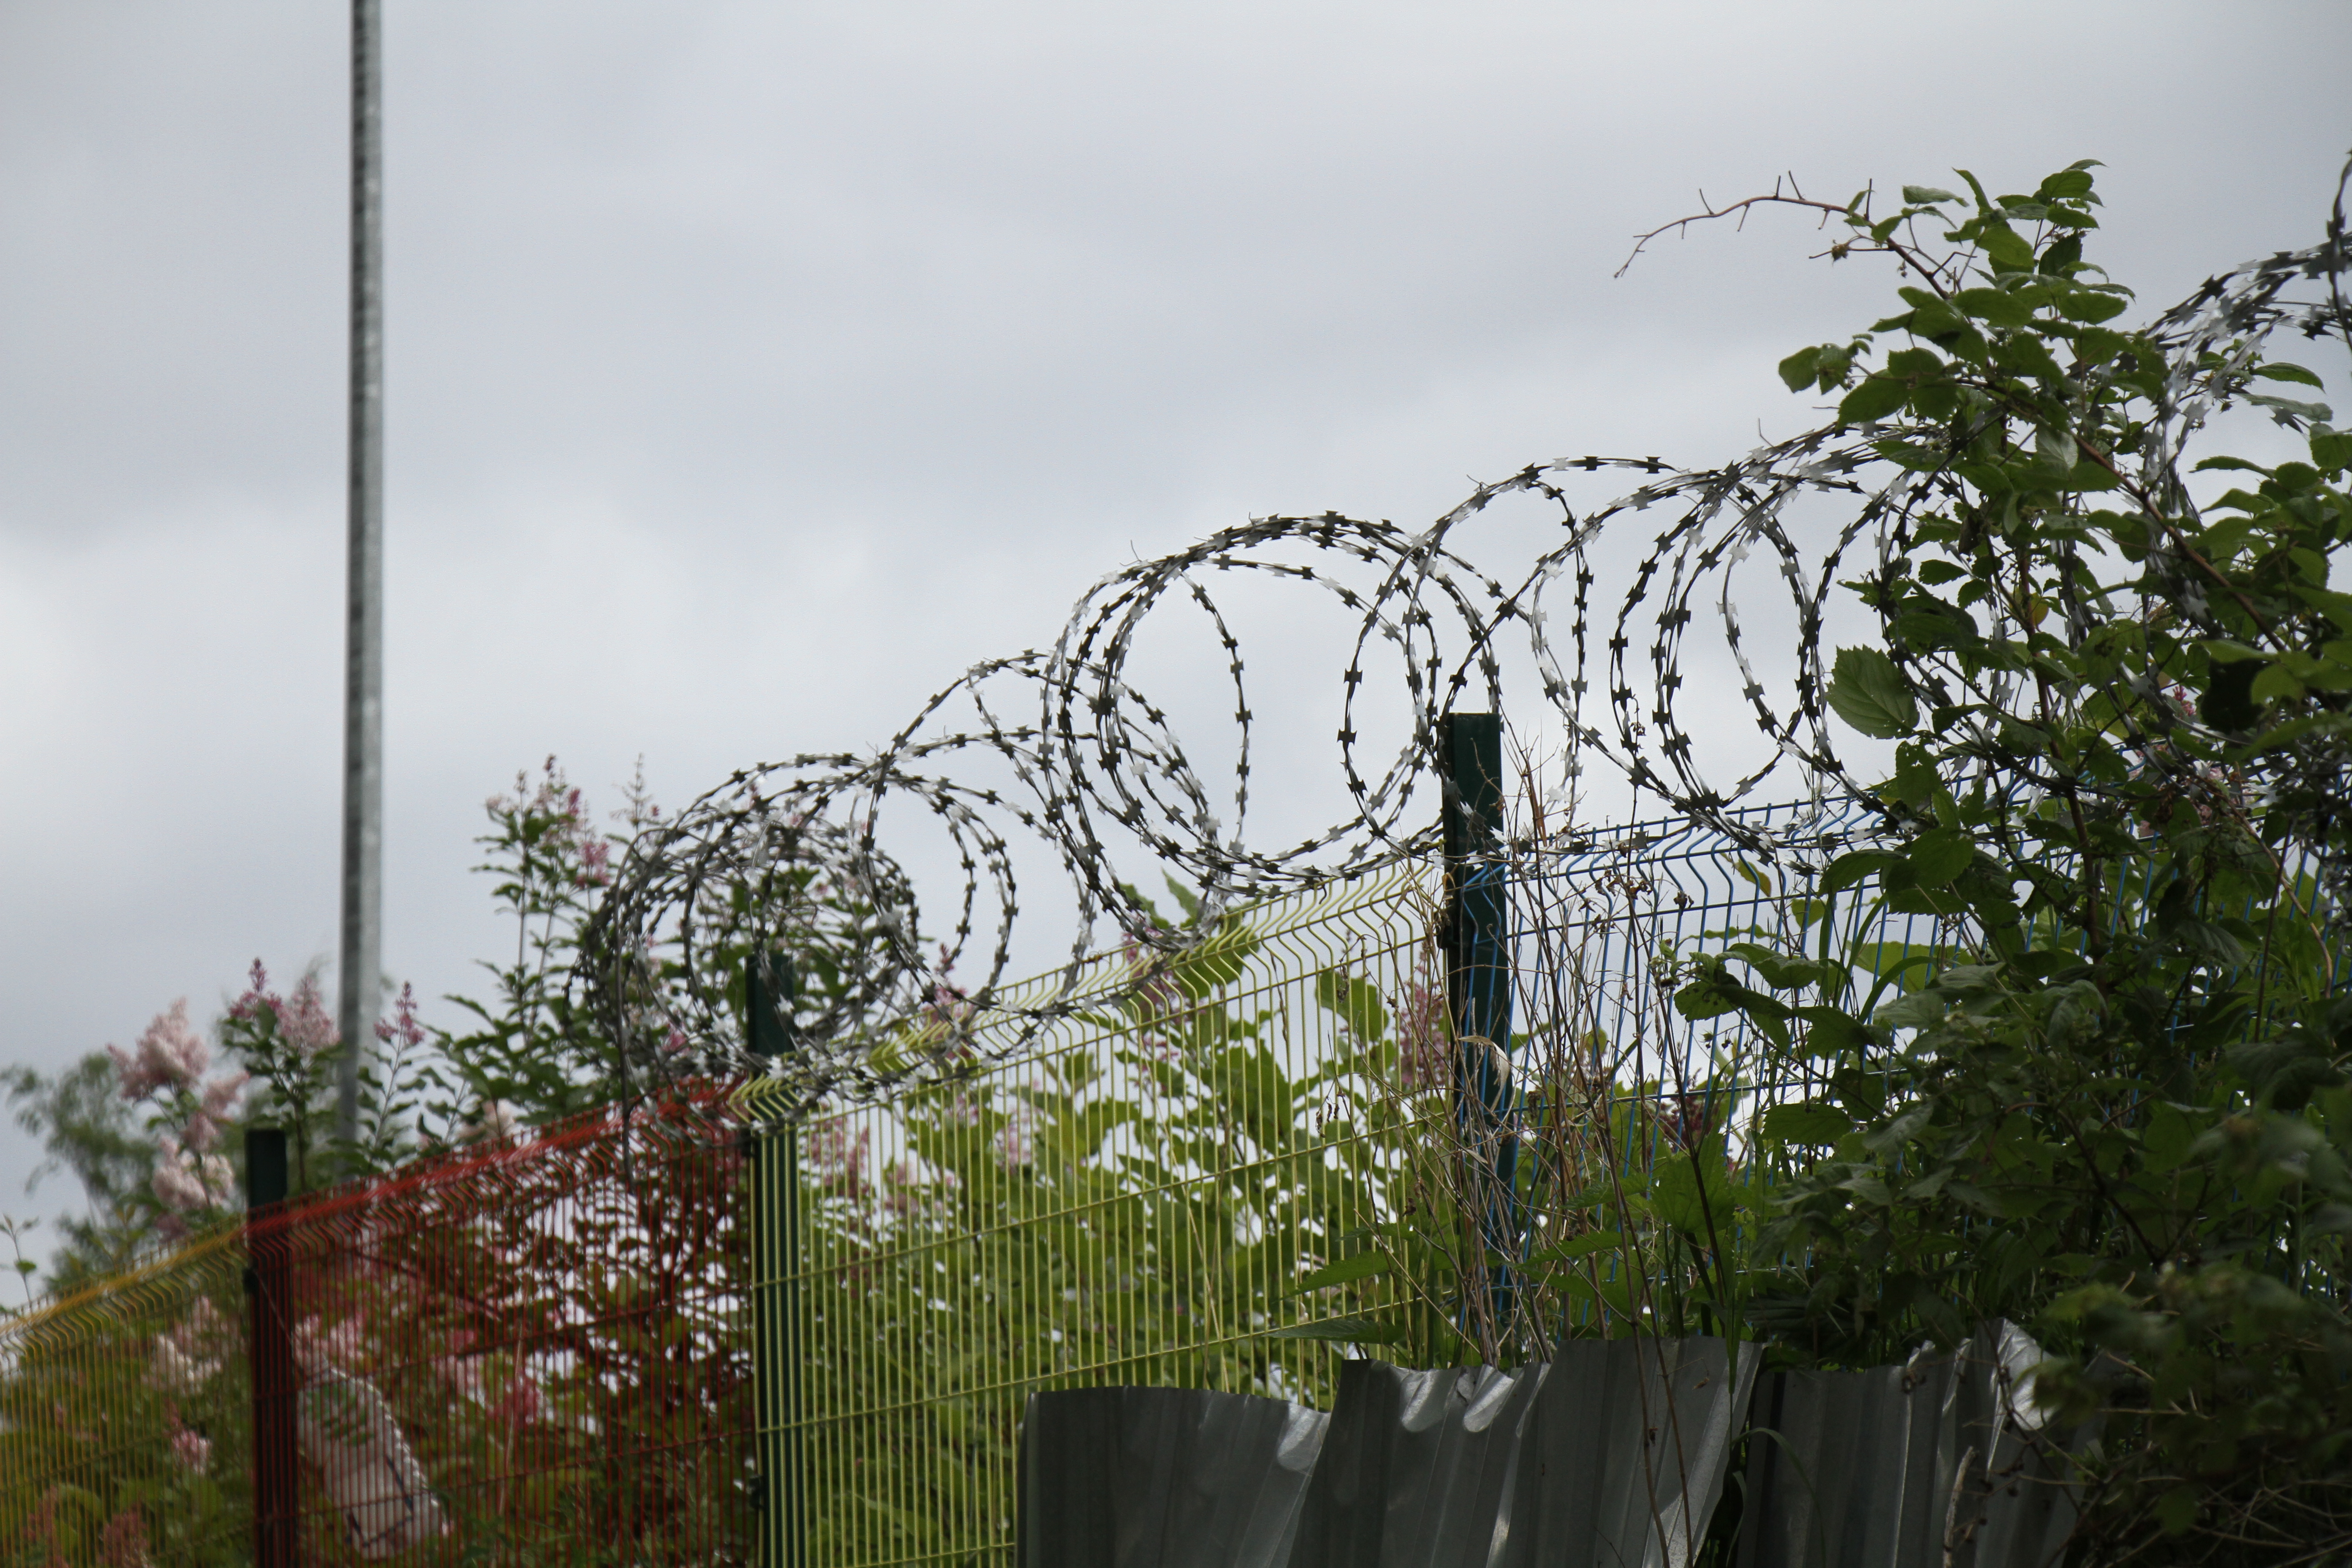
1162, 1478
1942, 1463
1628, 1454
1612, 1456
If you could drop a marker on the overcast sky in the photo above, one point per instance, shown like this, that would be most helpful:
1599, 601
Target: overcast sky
755, 367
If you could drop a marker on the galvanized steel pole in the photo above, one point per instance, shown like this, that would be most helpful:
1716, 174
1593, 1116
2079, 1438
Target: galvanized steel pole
361, 959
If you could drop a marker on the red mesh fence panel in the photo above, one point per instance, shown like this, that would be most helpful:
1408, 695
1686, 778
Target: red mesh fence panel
524, 1354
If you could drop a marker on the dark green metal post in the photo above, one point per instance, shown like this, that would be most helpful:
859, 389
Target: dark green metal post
1479, 971
768, 988
269, 1340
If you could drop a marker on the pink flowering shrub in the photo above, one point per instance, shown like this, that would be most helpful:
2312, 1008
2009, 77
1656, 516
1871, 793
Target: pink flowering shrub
291, 1045
192, 1449
171, 1055
185, 1112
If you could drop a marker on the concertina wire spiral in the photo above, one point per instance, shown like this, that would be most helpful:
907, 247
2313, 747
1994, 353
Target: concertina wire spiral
788, 856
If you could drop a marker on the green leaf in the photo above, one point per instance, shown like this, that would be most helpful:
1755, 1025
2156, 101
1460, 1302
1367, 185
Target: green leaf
1916, 780
1873, 399
1917, 901
1857, 866
2274, 682
2005, 246
1939, 856
2091, 305
1692, 1196
1918, 1010
1806, 1123
1363, 1266
2332, 450
1869, 693
2336, 607
2294, 373
1780, 971
1799, 368
1584, 1245
2066, 186
2055, 448
1344, 1331
1356, 1000
1832, 1032
1925, 196
2290, 406
1999, 306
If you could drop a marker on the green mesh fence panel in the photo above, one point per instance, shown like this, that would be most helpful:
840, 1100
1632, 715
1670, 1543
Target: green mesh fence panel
1133, 1196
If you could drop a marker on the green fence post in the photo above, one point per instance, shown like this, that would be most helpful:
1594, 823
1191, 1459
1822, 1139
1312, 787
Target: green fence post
1478, 972
270, 1341
768, 988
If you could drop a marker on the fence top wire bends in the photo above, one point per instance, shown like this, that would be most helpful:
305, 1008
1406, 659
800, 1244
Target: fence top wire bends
795, 855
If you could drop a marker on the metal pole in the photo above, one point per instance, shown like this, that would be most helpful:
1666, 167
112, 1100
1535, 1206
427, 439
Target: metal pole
1478, 977
770, 987
361, 959
270, 1341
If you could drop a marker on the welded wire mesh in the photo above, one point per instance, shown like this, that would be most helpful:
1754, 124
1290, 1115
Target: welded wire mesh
528, 1355
736, 1330
1237, 1173
125, 1418
1631, 1168
1133, 1197
530, 1352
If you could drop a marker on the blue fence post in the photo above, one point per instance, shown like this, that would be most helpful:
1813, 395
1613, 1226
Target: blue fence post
769, 989
1479, 978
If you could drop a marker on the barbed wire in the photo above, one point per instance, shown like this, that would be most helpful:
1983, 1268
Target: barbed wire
791, 856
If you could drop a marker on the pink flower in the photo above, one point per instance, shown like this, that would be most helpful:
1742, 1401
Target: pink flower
402, 1028
186, 1182
523, 1404
170, 1052
123, 1543
343, 1343
192, 1449
175, 1371
256, 992
303, 1022
203, 1332
837, 1159
1423, 1035
222, 1092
